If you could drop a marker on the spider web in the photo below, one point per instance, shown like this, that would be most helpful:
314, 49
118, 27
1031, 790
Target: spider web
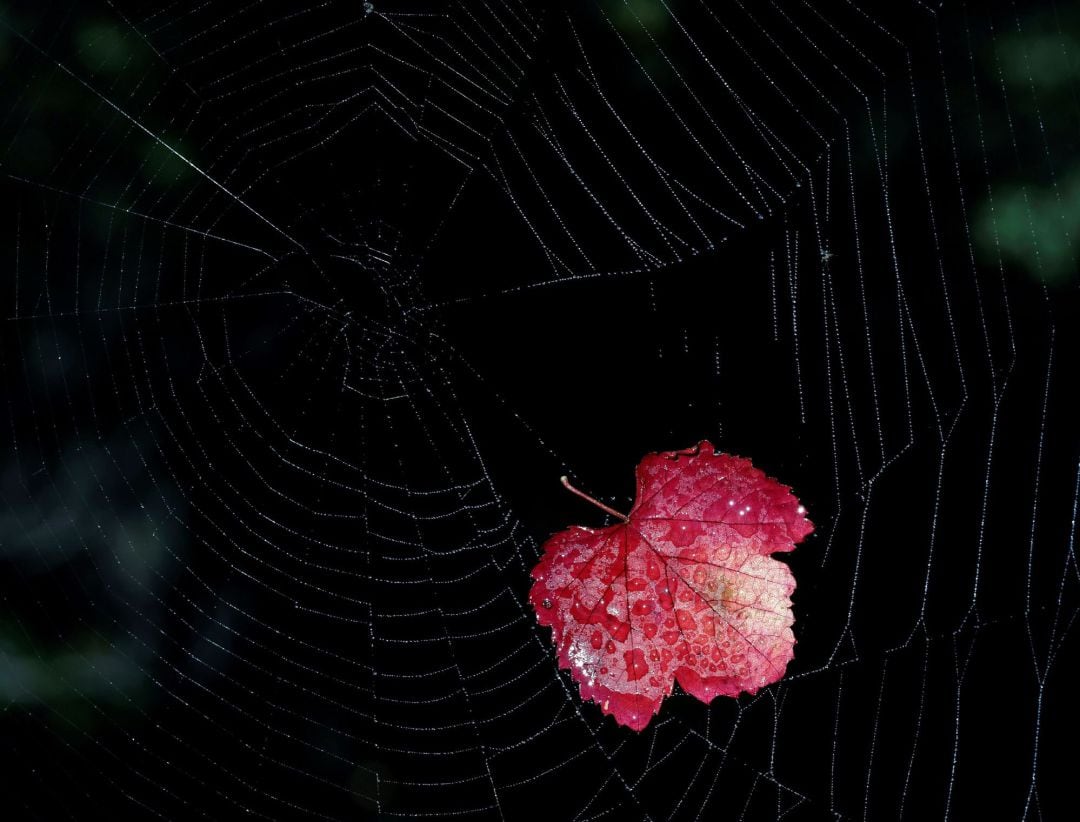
308, 306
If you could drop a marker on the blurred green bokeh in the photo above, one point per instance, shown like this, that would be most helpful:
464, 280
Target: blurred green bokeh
645, 27
164, 163
1049, 61
101, 47
1031, 216
94, 513
634, 17
1033, 227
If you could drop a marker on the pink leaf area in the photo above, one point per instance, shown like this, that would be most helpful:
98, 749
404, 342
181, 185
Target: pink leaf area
685, 588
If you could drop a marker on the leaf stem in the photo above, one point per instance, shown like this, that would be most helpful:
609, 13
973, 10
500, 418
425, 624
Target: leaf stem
566, 484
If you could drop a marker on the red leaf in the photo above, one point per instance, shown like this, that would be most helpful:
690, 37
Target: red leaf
684, 589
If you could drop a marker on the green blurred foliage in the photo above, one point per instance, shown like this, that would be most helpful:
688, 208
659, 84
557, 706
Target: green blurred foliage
67, 103
636, 17
1049, 61
102, 47
166, 162
97, 514
1033, 227
1031, 216
644, 27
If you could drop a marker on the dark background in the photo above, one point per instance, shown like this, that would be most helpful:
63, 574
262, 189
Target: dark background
307, 308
